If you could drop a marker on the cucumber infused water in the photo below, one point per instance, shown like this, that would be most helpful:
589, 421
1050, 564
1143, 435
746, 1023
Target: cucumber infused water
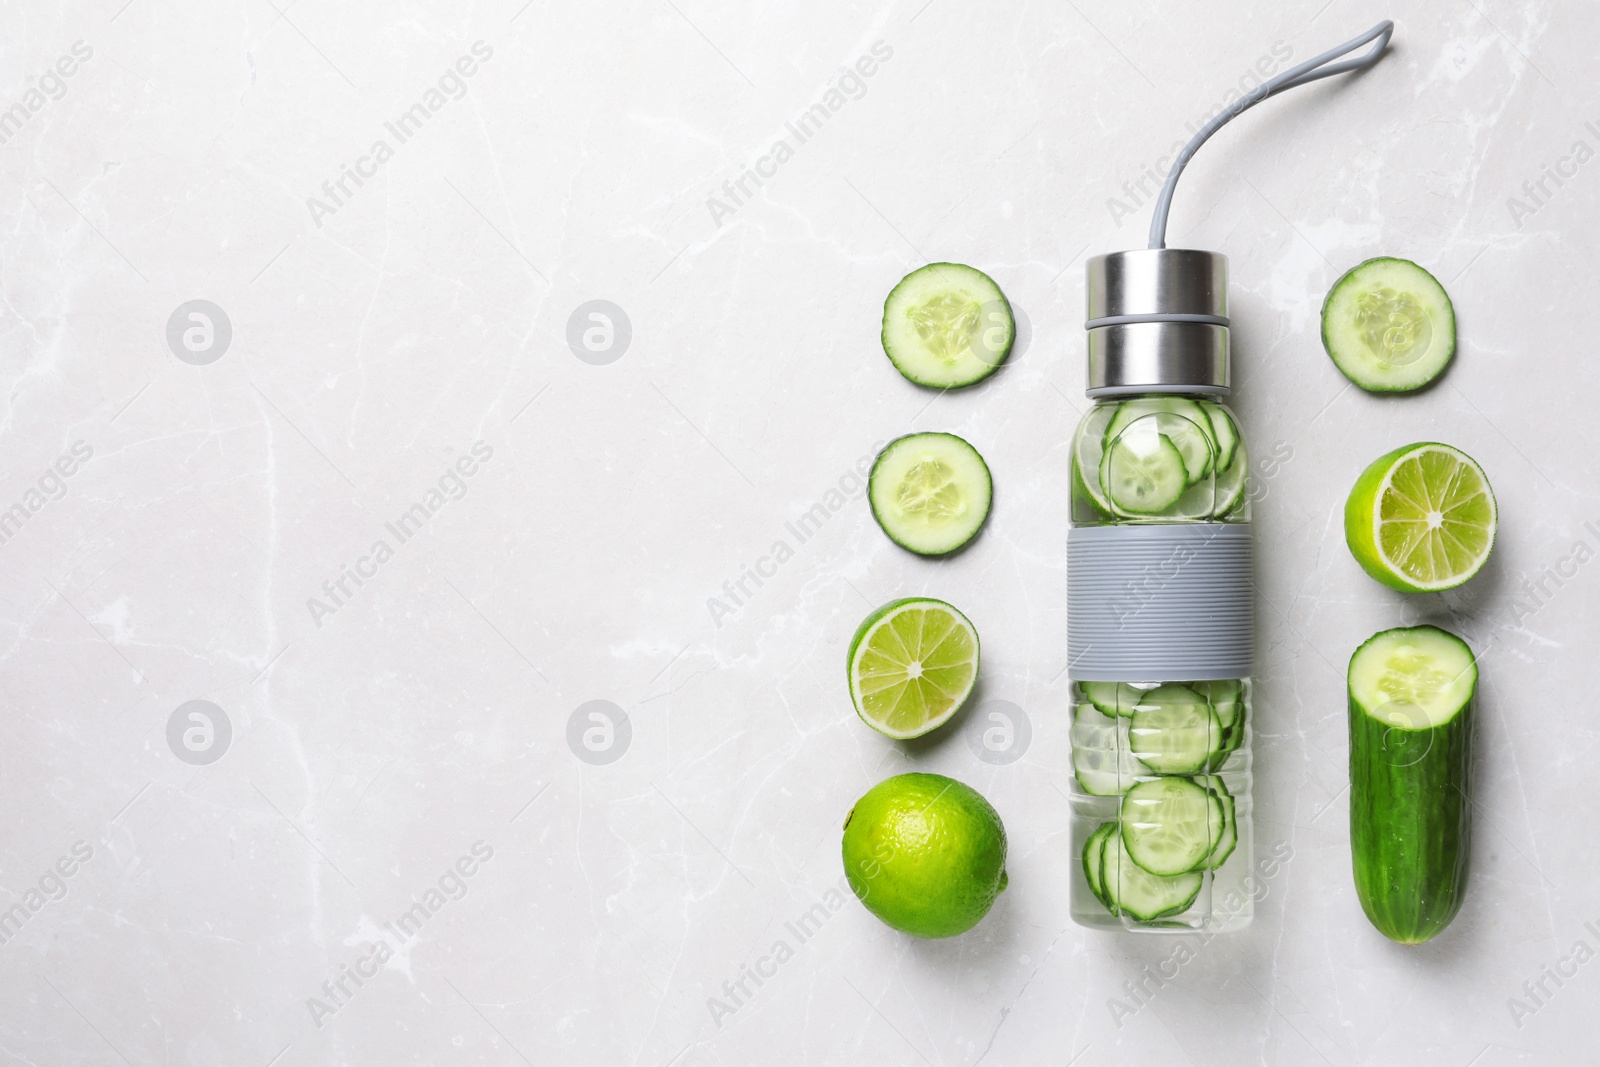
1158, 567
1160, 624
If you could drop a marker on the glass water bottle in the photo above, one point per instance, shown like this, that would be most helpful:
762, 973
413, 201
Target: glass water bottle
1160, 630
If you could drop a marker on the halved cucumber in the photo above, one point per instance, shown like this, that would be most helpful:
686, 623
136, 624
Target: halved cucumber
947, 325
1169, 825
1389, 326
1133, 891
1411, 723
1142, 471
1174, 731
930, 492
1102, 759
1182, 420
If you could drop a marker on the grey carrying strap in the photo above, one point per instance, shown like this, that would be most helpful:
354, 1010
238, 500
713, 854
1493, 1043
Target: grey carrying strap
1311, 70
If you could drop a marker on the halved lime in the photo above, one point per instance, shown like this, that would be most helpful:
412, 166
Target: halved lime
912, 663
1421, 518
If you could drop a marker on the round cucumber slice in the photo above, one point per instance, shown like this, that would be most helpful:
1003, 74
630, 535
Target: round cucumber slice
1389, 326
1231, 485
1223, 431
1102, 759
1142, 471
1228, 839
1181, 419
1169, 825
1093, 849
930, 492
1112, 698
1174, 731
1224, 697
1087, 450
947, 325
1139, 894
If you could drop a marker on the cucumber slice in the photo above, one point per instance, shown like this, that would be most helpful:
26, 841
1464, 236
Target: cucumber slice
1102, 758
1087, 449
1233, 738
1228, 837
930, 492
1174, 731
1142, 472
1183, 420
1389, 326
1169, 825
1223, 432
1112, 698
1135, 892
1094, 850
1231, 485
1224, 698
1228, 704
947, 325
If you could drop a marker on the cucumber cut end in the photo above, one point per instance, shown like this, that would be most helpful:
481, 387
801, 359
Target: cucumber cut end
1413, 677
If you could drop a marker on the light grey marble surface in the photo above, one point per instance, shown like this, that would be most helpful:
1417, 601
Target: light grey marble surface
373, 739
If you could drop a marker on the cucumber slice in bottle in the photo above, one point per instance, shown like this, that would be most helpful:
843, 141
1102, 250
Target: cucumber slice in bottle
930, 492
1174, 731
1142, 472
1169, 825
1182, 420
947, 325
1087, 449
1138, 894
1223, 432
1389, 326
1112, 698
1228, 839
1230, 486
1101, 755
1224, 697
1093, 850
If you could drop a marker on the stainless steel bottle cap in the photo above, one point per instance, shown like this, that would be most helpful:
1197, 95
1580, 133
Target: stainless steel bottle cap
1158, 322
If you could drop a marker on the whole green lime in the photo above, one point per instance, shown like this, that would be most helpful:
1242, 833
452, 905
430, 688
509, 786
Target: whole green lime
926, 854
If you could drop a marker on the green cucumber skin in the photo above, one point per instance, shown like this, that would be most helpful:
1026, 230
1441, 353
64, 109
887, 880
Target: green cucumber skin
1410, 824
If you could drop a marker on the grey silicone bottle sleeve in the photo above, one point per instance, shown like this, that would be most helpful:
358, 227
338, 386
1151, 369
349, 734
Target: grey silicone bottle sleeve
1167, 603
